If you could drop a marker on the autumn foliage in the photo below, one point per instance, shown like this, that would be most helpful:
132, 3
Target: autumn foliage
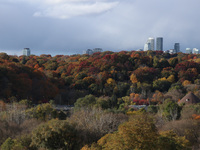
67, 78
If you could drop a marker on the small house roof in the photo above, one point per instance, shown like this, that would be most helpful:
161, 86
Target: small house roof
190, 98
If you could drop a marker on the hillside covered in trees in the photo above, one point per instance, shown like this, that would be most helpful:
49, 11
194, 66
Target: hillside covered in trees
103, 88
114, 74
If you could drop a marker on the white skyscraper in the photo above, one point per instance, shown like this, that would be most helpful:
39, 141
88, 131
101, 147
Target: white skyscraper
149, 45
27, 52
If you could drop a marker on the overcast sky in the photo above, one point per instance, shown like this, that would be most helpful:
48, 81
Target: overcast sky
72, 26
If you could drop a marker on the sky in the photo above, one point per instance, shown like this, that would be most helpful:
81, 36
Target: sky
66, 27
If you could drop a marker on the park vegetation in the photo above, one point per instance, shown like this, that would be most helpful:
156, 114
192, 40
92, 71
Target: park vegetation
101, 90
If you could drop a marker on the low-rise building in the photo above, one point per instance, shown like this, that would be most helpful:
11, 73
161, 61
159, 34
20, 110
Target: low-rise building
195, 51
188, 51
90, 51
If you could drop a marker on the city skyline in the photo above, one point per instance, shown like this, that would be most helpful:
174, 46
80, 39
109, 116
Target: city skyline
70, 27
149, 45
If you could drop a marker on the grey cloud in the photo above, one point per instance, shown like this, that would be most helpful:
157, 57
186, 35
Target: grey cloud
126, 24
71, 9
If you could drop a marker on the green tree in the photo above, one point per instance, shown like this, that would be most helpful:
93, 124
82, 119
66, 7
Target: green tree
161, 85
156, 62
87, 101
42, 112
8, 144
164, 63
103, 102
170, 110
173, 61
169, 140
11, 144
55, 134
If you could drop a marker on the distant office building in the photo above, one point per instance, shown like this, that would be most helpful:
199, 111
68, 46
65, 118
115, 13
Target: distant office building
159, 44
149, 45
97, 50
177, 47
188, 51
195, 51
90, 51
27, 52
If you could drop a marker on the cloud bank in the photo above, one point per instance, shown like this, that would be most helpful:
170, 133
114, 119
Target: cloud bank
71, 26
65, 9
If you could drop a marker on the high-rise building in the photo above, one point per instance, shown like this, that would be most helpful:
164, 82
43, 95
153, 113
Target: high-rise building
159, 44
177, 47
149, 45
27, 52
188, 51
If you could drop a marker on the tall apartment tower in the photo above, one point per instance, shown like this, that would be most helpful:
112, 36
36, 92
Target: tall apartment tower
177, 47
149, 45
27, 52
159, 44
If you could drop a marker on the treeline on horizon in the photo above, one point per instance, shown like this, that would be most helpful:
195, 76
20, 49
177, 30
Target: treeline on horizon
114, 74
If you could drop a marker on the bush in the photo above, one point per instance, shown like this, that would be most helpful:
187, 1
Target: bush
8, 144
11, 144
42, 112
87, 101
152, 109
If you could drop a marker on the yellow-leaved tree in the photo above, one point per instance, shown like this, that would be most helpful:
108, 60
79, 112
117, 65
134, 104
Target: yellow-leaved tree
186, 82
111, 81
140, 133
171, 79
133, 78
